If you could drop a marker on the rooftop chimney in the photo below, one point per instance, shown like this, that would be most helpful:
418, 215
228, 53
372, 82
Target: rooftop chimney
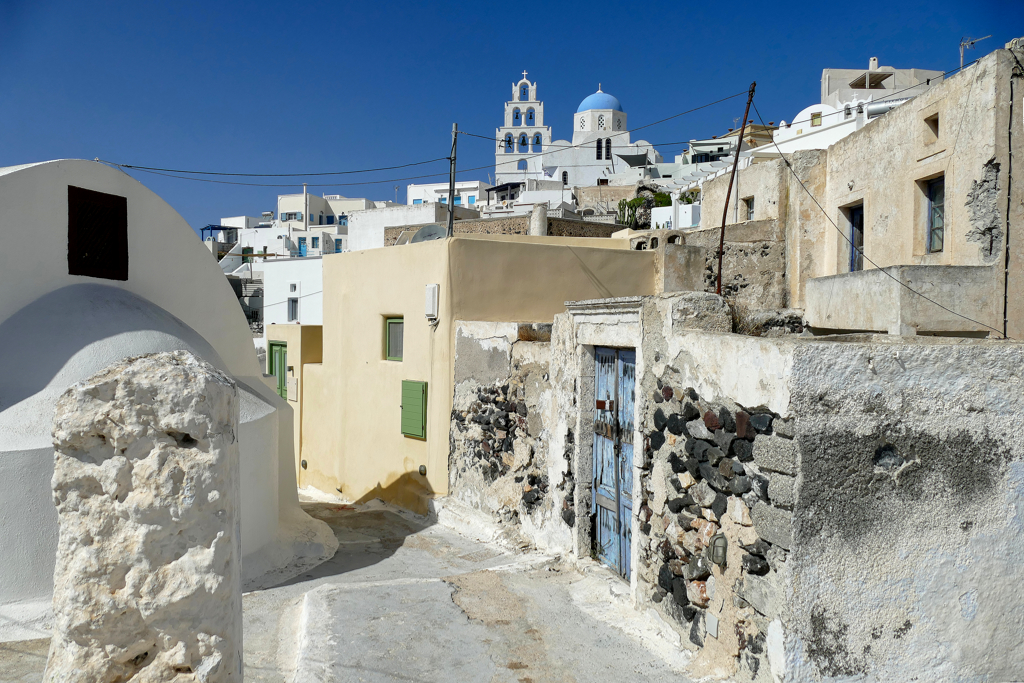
873, 64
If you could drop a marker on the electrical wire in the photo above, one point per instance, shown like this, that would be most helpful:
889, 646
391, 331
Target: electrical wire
861, 251
234, 182
275, 175
173, 173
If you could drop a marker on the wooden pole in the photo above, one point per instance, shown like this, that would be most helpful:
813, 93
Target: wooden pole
728, 193
451, 183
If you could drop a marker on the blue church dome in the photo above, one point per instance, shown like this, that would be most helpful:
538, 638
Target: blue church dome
600, 100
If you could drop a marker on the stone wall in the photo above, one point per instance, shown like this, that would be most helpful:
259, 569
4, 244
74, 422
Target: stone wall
753, 265
881, 531
710, 468
499, 462
515, 225
868, 488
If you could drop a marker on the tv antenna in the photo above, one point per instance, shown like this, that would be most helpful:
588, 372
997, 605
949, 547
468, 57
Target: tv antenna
968, 44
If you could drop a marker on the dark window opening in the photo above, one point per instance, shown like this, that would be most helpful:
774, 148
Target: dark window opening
608, 149
565, 178
599, 148
936, 213
97, 234
856, 217
602, 181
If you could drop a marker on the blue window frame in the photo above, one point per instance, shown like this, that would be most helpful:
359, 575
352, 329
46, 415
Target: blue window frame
417, 201
936, 214
330, 219
444, 200
458, 200
343, 220
472, 199
316, 242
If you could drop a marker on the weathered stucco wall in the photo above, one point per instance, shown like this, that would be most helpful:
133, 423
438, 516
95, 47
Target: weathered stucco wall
500, 462
881, 533
890, 300
767, 182
753, 265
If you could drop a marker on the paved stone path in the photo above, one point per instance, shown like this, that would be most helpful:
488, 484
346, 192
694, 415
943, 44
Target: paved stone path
403, 601
406, 601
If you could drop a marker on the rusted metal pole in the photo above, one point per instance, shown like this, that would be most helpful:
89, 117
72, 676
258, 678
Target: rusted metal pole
728, 193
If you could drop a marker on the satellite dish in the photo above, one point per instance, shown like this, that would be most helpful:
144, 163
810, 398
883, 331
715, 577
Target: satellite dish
429, 232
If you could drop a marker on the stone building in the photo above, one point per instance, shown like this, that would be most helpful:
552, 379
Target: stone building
796, 508
923, 198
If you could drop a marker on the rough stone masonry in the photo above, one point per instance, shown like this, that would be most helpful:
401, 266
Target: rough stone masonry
146, 585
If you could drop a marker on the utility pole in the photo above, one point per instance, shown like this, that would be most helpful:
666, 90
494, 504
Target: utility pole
451, 183
728, 193
968, 43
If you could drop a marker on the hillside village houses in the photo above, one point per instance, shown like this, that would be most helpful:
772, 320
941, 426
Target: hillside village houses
594, 395
815, 475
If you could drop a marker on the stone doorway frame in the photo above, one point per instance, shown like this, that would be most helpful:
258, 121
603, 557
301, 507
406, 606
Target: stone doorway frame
600, 322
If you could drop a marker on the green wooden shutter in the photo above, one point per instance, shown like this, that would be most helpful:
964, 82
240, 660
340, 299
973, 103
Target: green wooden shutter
414, 409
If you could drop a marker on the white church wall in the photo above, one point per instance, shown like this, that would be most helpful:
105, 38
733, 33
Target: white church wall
66, 327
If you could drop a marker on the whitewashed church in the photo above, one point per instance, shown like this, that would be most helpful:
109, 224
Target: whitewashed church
600, 153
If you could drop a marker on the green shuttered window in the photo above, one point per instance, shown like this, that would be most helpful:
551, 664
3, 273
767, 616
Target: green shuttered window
414, 409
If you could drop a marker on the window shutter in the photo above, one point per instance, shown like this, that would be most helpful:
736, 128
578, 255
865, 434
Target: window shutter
414, 409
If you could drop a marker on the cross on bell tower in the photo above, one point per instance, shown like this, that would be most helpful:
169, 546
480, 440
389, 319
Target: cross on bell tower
524, 73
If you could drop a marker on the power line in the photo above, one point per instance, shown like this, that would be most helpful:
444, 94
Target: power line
861, 251
275, 175
233, 182
171, 173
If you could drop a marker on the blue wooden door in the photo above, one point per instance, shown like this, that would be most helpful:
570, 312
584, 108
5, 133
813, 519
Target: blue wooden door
613, 456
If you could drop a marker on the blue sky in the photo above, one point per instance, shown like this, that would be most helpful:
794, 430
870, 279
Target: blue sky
262, 87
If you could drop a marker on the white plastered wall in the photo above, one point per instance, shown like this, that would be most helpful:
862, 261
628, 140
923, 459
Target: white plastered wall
68, 327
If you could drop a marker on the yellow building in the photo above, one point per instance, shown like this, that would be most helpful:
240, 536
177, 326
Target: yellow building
374, 406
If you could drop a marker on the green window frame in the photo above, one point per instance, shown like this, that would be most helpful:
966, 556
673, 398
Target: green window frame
277, 365
394, 338
414, 409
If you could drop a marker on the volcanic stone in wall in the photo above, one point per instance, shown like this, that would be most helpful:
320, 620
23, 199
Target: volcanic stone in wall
711, 467
491, 438
146, 584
